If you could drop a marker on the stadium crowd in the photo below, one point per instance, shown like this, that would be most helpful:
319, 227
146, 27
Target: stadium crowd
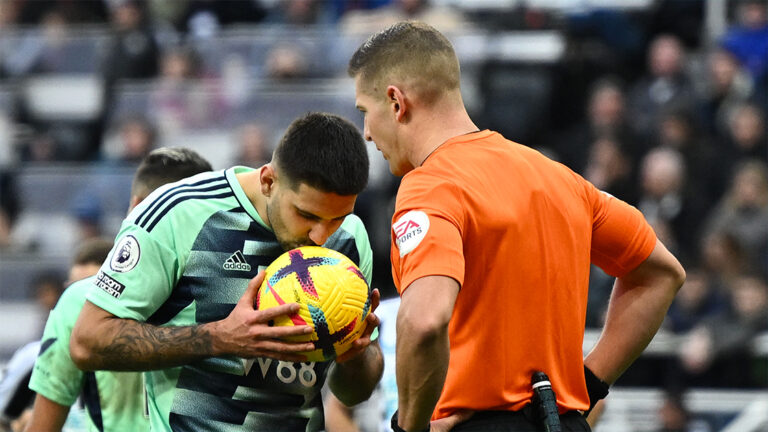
655, 104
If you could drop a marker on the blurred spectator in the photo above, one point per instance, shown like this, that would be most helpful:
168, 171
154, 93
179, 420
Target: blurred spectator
254, 150
183, 97
674, 415
137, 137
132, 52
727, 86
179, 64
609, 168
697, 300
204, 18
748, 39
723, 258
664, 202
442, 18
665, 84
287, 62
36, 51
746, 138
5, 229
9, 208
678, 130
606, 118
8, 14
743, 212
88, 215
42, 147
718, 352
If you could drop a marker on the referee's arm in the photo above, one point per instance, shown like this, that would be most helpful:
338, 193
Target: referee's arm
422, 347
638, 305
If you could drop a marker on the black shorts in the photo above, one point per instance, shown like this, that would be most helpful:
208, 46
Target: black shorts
516, 421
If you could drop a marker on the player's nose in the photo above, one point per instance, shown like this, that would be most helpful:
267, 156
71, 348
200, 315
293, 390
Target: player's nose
320, 233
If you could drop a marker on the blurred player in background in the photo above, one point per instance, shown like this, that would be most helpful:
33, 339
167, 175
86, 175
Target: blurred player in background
172, 306
114, 401
491, 250
16, 398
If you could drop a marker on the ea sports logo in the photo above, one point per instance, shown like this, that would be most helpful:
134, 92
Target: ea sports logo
410, 230
408, 227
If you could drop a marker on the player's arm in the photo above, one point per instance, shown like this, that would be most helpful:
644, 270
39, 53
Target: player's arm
637, 307
101, 340
47, 415
338, 417
422, 347
354, 375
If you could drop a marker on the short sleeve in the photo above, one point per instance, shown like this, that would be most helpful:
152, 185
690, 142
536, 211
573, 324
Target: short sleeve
426, 231
138, 276
621, 237
55, 375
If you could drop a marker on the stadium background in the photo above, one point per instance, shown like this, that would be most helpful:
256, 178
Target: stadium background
661, 103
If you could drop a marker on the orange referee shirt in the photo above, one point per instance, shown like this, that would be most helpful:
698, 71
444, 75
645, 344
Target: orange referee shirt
518, 232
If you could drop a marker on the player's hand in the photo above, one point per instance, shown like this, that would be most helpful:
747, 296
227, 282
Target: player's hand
448, 423
247, 332
371, 322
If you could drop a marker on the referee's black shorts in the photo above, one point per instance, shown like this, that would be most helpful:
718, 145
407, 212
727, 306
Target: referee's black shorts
516, 421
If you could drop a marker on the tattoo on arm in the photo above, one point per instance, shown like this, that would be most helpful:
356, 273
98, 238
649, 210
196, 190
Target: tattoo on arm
138, 346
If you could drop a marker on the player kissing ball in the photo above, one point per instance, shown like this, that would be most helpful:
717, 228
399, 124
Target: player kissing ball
332, 293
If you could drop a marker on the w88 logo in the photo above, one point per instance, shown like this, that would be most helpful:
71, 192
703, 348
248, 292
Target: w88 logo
286, 372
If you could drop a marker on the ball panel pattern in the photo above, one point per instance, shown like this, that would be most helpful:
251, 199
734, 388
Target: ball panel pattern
333, 295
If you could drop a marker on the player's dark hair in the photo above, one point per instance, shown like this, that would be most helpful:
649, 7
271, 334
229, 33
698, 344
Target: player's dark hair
323, 151
93, 251
166, 165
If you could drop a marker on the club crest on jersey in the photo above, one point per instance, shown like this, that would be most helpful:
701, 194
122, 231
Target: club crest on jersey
410, 230
126, 254
236, 261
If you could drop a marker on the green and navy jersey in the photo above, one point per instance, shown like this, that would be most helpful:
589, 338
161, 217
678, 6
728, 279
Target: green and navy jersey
114, 401
185, 256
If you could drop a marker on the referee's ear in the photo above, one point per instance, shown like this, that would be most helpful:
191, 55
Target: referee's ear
398, 103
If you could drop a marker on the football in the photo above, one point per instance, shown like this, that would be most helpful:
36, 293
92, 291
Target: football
331, 291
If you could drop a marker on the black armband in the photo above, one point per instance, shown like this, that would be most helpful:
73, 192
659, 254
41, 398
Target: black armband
596, 388
396, 428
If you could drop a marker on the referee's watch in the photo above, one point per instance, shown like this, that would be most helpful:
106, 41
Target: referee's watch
396, 428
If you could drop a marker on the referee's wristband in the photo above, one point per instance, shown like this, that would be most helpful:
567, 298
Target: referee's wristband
396, 428
596, 388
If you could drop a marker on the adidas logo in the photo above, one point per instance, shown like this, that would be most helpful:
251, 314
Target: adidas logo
236, 261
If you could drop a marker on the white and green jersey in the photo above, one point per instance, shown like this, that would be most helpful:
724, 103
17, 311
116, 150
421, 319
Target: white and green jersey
114, 401
185, 256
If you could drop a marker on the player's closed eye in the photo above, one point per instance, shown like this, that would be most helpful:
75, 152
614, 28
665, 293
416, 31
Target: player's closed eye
308, 216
